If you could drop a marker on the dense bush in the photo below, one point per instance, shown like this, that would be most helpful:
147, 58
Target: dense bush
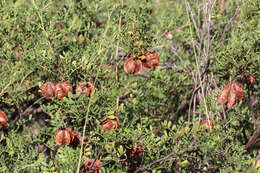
148, 121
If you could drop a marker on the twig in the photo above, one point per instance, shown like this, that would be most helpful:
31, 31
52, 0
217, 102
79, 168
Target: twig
171, 155
202, 49
176, 30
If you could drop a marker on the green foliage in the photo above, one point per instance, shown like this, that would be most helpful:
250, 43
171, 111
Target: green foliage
86, 41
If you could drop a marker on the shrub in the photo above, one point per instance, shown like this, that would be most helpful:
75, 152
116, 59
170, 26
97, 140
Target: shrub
182, 54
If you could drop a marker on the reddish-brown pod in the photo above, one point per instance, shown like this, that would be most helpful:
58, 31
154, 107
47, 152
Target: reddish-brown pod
85, 87
62, 137
239, 90
62, 89
106, 124
133, 66
156, 131
48, 89
75, 138
110, 123
208, 123
84, 42
231, 97
136, 151
251, 79
223, 96
150, 60
232, 92
91, 166
3, 118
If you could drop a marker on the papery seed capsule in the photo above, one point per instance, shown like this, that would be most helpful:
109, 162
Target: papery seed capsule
3, 118
135, 151
232, 92
133, 66
48, 89
84, 87
231, 97
251, 79
208, 123
239, 90
150, 60
109, 124
62, 89
106, 124
224, 94
75, 138
115, 122
62, 137
91, 165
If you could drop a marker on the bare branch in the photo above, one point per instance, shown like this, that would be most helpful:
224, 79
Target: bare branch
171, 155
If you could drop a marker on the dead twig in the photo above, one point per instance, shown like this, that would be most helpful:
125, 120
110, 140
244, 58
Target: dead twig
171, 155
175, 30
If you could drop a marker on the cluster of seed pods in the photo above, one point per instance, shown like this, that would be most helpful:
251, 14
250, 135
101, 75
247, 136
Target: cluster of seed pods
232, 92
91, 165
67, 137
146, 60
61, 89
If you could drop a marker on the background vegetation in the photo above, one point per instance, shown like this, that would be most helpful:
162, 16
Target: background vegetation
202, 45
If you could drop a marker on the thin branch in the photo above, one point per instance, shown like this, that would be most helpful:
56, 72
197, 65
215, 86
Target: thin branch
171, 155
175, 30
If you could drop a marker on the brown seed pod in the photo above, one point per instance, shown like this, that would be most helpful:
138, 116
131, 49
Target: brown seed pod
134, 158
208, 123
133, 66
230, 93
84, 42
84, 87
231, 97
150, 60
91, 165
109, 124
239, 89
48, 89
62, 137
251, 79
223, 96
3, 118
62, 89
156, 131
75, 138
106, 124
135, 151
